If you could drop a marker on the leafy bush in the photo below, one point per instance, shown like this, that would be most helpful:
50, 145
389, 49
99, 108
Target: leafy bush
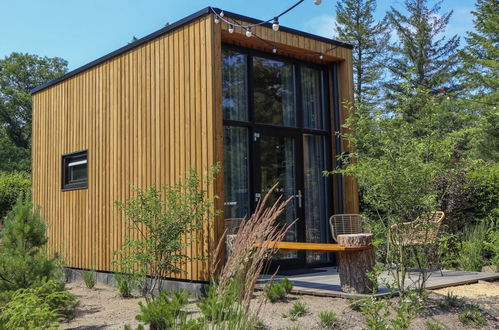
328, 320
23, 260
126, 283
472, 314
171, 217
298, 309
13, 185
165, 311
276, 291
89, 278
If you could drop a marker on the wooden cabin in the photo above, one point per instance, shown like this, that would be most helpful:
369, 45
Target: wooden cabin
191, 95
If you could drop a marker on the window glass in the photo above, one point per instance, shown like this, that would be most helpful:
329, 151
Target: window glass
312, 98
236, 172
234, 86
75, 170
274, 92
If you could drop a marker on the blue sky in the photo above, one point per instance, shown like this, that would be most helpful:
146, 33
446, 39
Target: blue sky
83, 30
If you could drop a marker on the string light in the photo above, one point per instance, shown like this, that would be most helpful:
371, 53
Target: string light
222, 13
248, 32
231, 28
275, 25
321, 57
274, 49
217, 20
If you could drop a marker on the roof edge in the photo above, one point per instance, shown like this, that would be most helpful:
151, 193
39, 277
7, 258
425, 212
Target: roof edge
173, 26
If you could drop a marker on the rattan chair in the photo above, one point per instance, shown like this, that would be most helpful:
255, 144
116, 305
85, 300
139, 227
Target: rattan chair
422, 230
342, 224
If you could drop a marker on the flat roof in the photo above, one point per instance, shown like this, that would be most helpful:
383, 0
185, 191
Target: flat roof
174, 26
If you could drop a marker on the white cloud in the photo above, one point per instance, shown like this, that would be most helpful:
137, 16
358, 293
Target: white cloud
323, 25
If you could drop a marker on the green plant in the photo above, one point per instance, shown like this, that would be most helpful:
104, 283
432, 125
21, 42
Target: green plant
431, 325
27, 311
53, 293
472, 314
165, 311
13, 185
355, 304
298, 309
472, 248
89, 278
276, 291
328, 320
126, 283
221, 304
166, 221
23, 260
451, 301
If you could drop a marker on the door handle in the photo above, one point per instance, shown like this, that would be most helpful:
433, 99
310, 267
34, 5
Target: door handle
299, 196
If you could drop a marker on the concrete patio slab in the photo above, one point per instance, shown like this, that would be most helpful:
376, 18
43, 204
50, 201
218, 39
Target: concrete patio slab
325, 281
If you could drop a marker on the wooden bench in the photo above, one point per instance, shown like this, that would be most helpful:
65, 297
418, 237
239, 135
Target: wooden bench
355, 261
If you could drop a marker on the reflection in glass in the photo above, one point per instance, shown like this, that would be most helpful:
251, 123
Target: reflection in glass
274, 92
316, 193
277, 163
236, 183
312, 98
234, 86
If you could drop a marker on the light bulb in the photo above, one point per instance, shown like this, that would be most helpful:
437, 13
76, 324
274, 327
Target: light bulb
321, 56
231, 28
274, 49
222, 13
317, 2
217, 20
275, 24
248, 32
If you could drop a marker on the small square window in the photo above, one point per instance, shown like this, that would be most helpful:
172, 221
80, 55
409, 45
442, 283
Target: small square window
75, 170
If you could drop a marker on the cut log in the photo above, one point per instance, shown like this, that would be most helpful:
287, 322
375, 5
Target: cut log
355, 265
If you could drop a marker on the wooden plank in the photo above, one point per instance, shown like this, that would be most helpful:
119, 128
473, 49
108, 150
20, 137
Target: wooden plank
314, 247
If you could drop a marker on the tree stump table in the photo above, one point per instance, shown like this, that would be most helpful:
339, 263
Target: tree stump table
354, 265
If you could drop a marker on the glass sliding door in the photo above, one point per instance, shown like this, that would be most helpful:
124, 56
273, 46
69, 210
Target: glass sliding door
275, 163
276, 130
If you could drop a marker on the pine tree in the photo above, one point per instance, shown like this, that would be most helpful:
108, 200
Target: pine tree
356, 25
423, 60
481, 70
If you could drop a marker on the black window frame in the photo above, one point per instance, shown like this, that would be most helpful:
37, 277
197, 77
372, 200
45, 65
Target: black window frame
76, 185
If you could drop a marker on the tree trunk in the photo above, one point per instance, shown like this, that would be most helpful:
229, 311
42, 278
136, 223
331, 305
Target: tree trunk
354, 265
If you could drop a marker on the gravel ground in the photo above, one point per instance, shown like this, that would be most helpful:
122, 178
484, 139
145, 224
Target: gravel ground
102, 308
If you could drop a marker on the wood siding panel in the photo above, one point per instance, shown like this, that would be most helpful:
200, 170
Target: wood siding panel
146, 117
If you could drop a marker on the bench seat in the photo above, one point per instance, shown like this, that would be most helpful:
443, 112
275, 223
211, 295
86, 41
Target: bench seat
314, 247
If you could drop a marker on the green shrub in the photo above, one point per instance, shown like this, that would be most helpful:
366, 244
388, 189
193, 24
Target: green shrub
276, 291
472, 249
23, 260
431, 325
126, 283
13, 185
89, 278
27, 311
472, 314
165, 311
218, 306
328, 320
298, 309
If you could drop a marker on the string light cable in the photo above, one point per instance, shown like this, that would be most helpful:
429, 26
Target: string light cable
249, 31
